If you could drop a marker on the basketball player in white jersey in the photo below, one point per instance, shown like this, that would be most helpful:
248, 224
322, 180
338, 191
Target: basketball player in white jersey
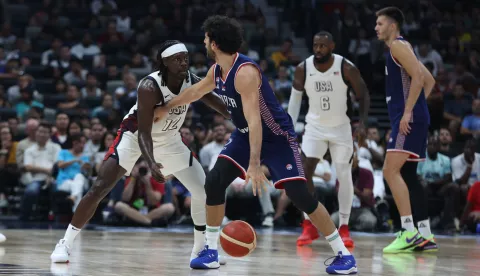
160, 144
326, 78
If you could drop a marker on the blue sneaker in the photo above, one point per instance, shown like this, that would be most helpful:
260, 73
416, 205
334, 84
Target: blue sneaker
207, 259
342, 265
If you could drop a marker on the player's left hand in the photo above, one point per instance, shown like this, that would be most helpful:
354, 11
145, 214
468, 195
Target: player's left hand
405, 123
160, 112
259, 180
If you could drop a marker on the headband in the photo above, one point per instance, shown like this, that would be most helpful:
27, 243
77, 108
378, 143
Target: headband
174, 49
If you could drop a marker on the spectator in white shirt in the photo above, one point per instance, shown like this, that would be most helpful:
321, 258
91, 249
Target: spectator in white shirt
93, 144
466, 168
77, 75
31, 129
123, 22
61, 64
425, 53
39, 160
54, 50
91, 89
86, 47
213, 149
98, 5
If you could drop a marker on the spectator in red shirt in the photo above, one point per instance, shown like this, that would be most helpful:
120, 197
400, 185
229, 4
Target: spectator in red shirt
471, 213
362, 217
144, 200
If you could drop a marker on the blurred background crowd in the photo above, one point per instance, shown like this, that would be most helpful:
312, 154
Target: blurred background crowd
69, 72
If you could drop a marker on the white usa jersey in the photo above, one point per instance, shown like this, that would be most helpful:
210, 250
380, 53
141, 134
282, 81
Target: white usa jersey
168, 126
327, 93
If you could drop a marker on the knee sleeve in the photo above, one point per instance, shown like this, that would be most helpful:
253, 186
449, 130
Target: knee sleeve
418, 195
218, 179
298, 193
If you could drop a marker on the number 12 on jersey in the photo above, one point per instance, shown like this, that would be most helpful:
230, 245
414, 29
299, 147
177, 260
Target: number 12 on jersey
325, 103
171, 124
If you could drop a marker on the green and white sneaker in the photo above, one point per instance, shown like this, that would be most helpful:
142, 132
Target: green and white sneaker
406, 241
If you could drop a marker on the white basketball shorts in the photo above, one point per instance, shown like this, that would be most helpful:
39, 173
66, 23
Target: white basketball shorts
317, 139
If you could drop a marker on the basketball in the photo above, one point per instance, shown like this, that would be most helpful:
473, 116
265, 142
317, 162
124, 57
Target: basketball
238, 238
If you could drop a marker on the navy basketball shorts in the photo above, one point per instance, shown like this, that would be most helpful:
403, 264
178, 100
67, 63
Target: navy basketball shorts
280, 154
414, 143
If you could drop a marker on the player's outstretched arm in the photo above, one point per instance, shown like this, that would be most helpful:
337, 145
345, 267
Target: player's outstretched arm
402, 51
295, 102
212, 100
354, 78
247, 83
194, 92
148, 95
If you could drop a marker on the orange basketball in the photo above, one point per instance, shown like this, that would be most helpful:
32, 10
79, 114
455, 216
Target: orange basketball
238, 238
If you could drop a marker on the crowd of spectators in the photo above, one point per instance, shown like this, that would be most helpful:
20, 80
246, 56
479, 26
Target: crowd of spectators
69, 72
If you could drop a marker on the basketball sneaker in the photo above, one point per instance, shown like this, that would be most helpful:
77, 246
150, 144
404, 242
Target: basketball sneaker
342, 265
61, 253
222, 260
345, 235
2, 238
206, 259
427, 245
309, 233
406, 241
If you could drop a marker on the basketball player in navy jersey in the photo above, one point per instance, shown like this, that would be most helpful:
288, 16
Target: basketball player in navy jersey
264, 135
408, 84
327, 78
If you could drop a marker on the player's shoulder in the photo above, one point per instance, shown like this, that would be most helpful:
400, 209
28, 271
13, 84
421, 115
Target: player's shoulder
399, 45
247, 70
194, 78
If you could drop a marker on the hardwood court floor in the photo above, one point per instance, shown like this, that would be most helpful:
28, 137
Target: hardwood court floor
27, 252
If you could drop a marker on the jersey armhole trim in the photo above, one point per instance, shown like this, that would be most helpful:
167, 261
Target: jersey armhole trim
157, 87
394, 59
214, 72
343, 74
247, 63
304, 73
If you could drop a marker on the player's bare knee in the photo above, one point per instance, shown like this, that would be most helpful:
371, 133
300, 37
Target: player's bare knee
119, 207
298, 193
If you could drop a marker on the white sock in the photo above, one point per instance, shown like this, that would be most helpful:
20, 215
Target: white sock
305, 216
345, 192
424, 228
198, 240
336, 243
70, 235
407, 223
343, 219
213, 232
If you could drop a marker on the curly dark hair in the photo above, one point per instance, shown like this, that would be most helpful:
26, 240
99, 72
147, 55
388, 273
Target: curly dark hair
161, 66
226, 32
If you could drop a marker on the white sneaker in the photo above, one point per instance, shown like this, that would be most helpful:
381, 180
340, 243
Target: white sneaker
61, 253
2, 238
268, 221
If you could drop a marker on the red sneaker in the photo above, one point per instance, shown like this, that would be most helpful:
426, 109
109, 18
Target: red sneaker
309, 234
345, 235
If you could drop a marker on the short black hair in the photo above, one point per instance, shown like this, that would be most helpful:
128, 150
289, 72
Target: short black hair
45, 125
394, 13
225, 31
325, 33
161, 66
76, 137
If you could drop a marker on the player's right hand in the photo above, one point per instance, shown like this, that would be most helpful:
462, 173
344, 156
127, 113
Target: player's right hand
155, 169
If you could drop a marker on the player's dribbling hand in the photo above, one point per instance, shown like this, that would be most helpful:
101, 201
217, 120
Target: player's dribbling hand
155, 169
160, 112
405, 123
259, 180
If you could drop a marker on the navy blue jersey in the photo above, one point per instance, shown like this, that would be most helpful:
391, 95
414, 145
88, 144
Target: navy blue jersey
275, 120
397, 88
